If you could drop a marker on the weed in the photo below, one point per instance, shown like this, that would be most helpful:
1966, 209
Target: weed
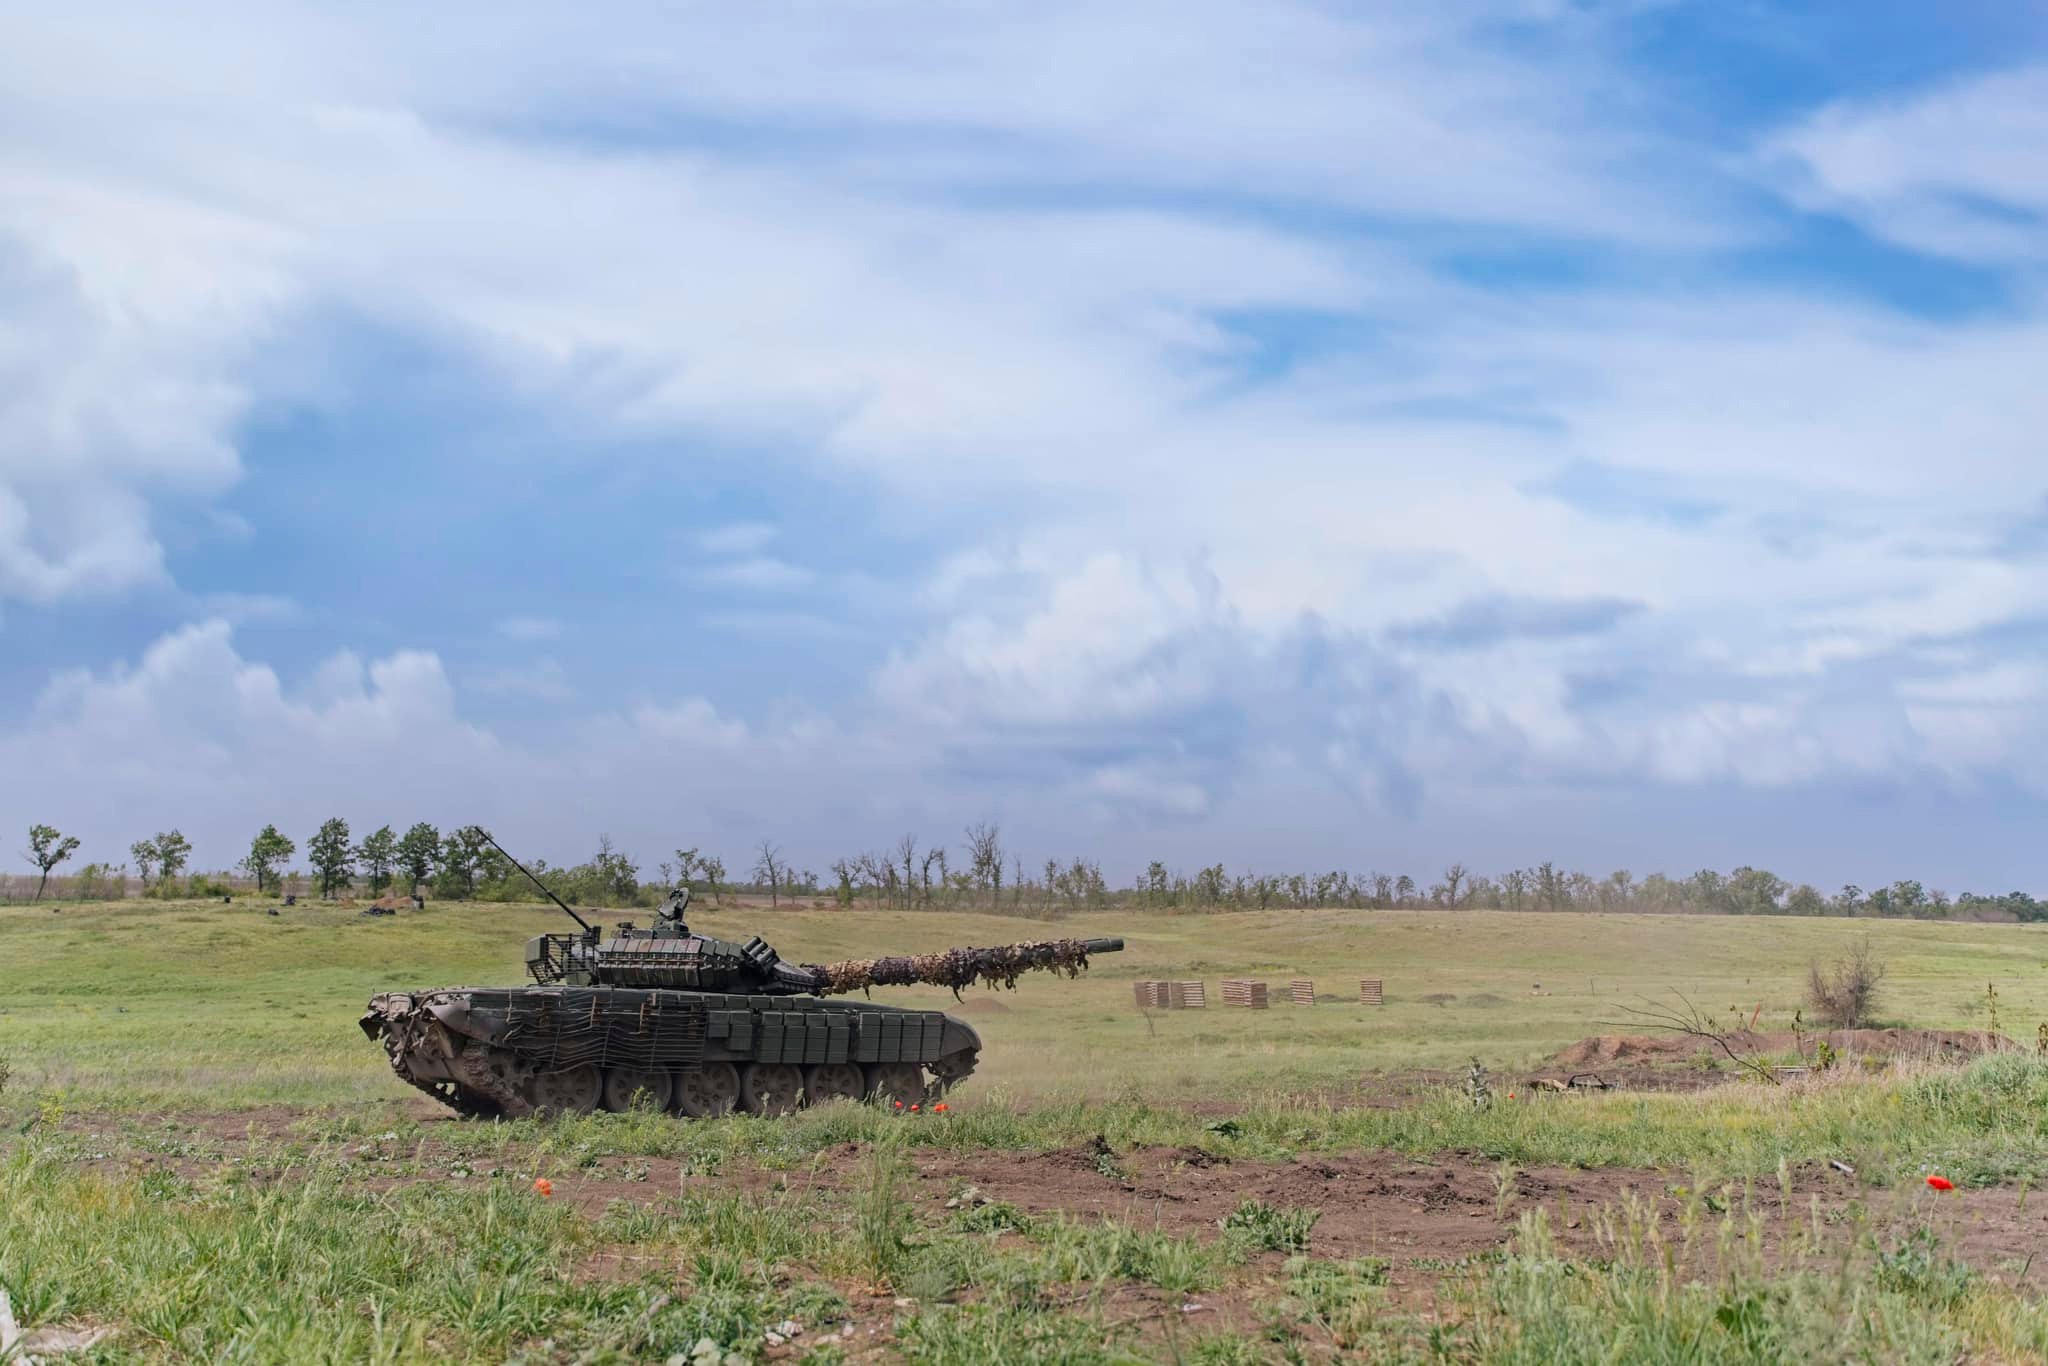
882, 1218
1913, 1266
993, 1216
1261, 1227
1504, 1177
1476, 1086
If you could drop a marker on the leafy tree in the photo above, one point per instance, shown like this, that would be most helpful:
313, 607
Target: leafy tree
688, 864
332, 856
173, 851
378, 853
419, 849
713, 868
618, 877
462, 860
266, 851
1805, 899
146, 857
48, 847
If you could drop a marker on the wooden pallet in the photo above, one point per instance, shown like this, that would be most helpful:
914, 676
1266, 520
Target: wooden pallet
1302, 990
1187, 996
1150, 995
1243, 991
1369, 991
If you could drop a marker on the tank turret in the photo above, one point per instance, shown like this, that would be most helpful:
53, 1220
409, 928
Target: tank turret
680, 1021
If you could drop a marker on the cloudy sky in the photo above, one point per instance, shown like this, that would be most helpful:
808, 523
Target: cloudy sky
1287, 434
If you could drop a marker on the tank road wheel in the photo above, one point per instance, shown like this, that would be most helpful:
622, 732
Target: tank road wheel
707, 1091
833, 1081
770, 1088
623, 1084
571, 1092
895, 1083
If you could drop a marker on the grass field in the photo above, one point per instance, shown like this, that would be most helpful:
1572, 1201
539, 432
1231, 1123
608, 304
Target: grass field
199, 1151
146, 1006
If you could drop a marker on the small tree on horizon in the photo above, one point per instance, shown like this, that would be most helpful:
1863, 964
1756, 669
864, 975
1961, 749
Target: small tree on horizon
146, 857
48, 847
266, 851
462, 856
419, 849
768, 868
377, 853
332, 856
173, 852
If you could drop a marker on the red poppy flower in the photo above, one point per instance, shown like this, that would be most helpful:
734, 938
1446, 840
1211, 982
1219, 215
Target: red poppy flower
940, 1108
899, 1105
915, 1108
544, 1187
1941, 1183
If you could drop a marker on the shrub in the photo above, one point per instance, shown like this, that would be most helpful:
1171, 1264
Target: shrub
1844, 993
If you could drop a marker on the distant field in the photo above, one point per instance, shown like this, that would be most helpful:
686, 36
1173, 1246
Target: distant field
150, 1005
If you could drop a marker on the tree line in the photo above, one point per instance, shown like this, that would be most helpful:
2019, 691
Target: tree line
980, 871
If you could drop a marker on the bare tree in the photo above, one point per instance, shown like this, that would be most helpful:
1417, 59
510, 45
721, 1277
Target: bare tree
1454, 878
769, 868
906, 859
875, 871
985, 850
935, 855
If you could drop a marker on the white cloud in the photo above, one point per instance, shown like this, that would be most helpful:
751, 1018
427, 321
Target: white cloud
1133, 320
737, 538
529, 629
542, 680
761, 573
1960, 170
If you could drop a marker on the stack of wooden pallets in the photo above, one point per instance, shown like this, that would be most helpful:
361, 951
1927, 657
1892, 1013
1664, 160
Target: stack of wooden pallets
1303, 991
1187, 996
1151, 995
1369, 991
1242, 991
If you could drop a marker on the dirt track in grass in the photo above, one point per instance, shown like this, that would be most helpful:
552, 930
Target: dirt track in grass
1423, 1216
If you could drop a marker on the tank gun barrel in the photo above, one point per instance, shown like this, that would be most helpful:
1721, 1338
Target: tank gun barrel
999, 966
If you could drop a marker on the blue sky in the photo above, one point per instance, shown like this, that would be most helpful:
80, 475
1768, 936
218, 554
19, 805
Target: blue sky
1360, 436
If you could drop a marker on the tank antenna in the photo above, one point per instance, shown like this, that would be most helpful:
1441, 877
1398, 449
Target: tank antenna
492, 841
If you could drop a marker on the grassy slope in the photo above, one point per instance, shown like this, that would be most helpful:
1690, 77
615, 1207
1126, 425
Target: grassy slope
145, 1005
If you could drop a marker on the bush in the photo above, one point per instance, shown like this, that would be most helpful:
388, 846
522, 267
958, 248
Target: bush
1844, 993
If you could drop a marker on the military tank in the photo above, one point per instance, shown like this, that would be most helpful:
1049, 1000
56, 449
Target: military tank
695, 1026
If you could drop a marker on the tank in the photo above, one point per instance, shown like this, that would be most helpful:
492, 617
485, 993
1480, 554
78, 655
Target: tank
695, 1026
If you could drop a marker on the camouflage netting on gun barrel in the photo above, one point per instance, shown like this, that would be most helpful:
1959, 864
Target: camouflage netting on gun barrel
956, 968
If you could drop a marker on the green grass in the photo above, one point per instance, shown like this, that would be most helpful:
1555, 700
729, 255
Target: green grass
145, 1006
349, 1231
309, 1264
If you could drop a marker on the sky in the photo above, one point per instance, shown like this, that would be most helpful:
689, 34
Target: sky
1290, 435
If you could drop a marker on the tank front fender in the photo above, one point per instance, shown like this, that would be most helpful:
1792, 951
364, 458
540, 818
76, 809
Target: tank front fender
958, 1035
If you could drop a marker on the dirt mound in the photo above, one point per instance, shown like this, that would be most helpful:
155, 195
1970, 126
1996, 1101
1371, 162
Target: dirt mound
1940, 1044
